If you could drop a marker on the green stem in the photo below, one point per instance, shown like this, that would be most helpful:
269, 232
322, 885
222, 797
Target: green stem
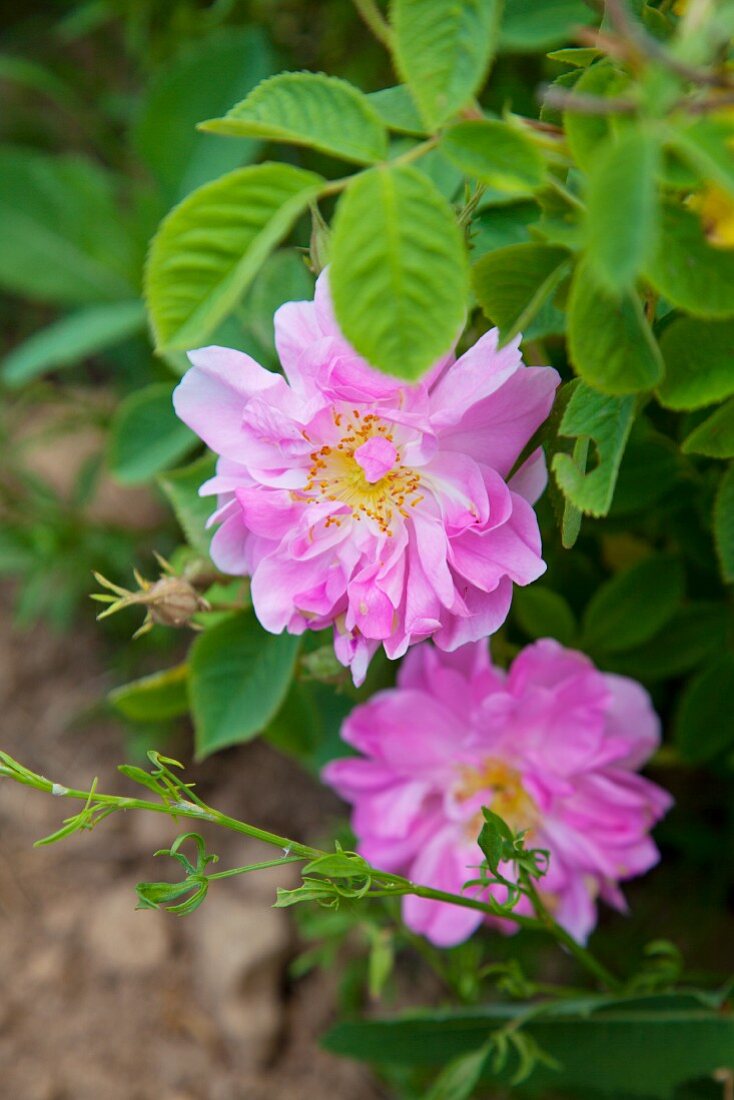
375, 20
580, 953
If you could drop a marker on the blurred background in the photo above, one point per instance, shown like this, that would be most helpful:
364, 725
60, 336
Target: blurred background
97, 141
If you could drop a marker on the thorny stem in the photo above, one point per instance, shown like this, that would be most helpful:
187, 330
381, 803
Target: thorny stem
375, 20
388, 885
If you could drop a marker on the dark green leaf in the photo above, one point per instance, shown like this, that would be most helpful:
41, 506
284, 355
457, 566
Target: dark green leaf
192, 511
496, 154
284, 278
715, 436
443, 49
724, 525
698, 363
203, 81
610, 342
687, 270
705, 722
239, 676
72, 339
695, 632
398, 270
634, 605
459, 1079
154, 698
513, 284
642, 1048
146, 436
311, 109
210, 247
542, 613
622, 209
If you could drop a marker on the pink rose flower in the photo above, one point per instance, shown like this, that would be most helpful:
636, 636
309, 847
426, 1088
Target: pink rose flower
552, 746
356, 500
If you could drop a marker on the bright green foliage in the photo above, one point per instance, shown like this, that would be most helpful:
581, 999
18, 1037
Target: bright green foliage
513, 285
496, 154
724, 524
606, 421
633, 606
67, 341
65, 243
705, 722
205, 80
687, 270
622, 209
585, 133
397, 110
181, 487
154, 698
610, 343
308, 109
239, 677
146, 436
715, 436
209, 249
443, 49
705, 143
399, 271
698, 363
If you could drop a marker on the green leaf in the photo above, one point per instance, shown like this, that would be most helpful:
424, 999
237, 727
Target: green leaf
181, 487
154, 698
443, 49
513, 284
610, 343
698, 363
542, 613
715, 436
398, 270
497, 226
492, 837
239, 676
496, 154
607, 422
397, 110
634, 605
210, 247
63, 239
704, 726
587, 132
459, 1079
72, 339
284, 278
724, 525
687, 270
639, 1048
146, 436
322, 112
528, 29
203, 81
694, 633
622, 211
705, 143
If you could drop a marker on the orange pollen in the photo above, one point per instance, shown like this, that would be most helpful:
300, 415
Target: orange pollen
335, 475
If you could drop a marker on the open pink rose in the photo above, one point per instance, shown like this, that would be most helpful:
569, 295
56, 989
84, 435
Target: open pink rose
552, 746
356, 500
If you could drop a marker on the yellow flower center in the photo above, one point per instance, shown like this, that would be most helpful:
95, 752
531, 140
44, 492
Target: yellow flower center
337, 475
506, 795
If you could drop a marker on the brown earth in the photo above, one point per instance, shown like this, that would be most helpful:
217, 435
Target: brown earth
100, 1001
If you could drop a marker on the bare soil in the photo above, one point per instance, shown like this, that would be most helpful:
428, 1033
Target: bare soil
101, 1001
